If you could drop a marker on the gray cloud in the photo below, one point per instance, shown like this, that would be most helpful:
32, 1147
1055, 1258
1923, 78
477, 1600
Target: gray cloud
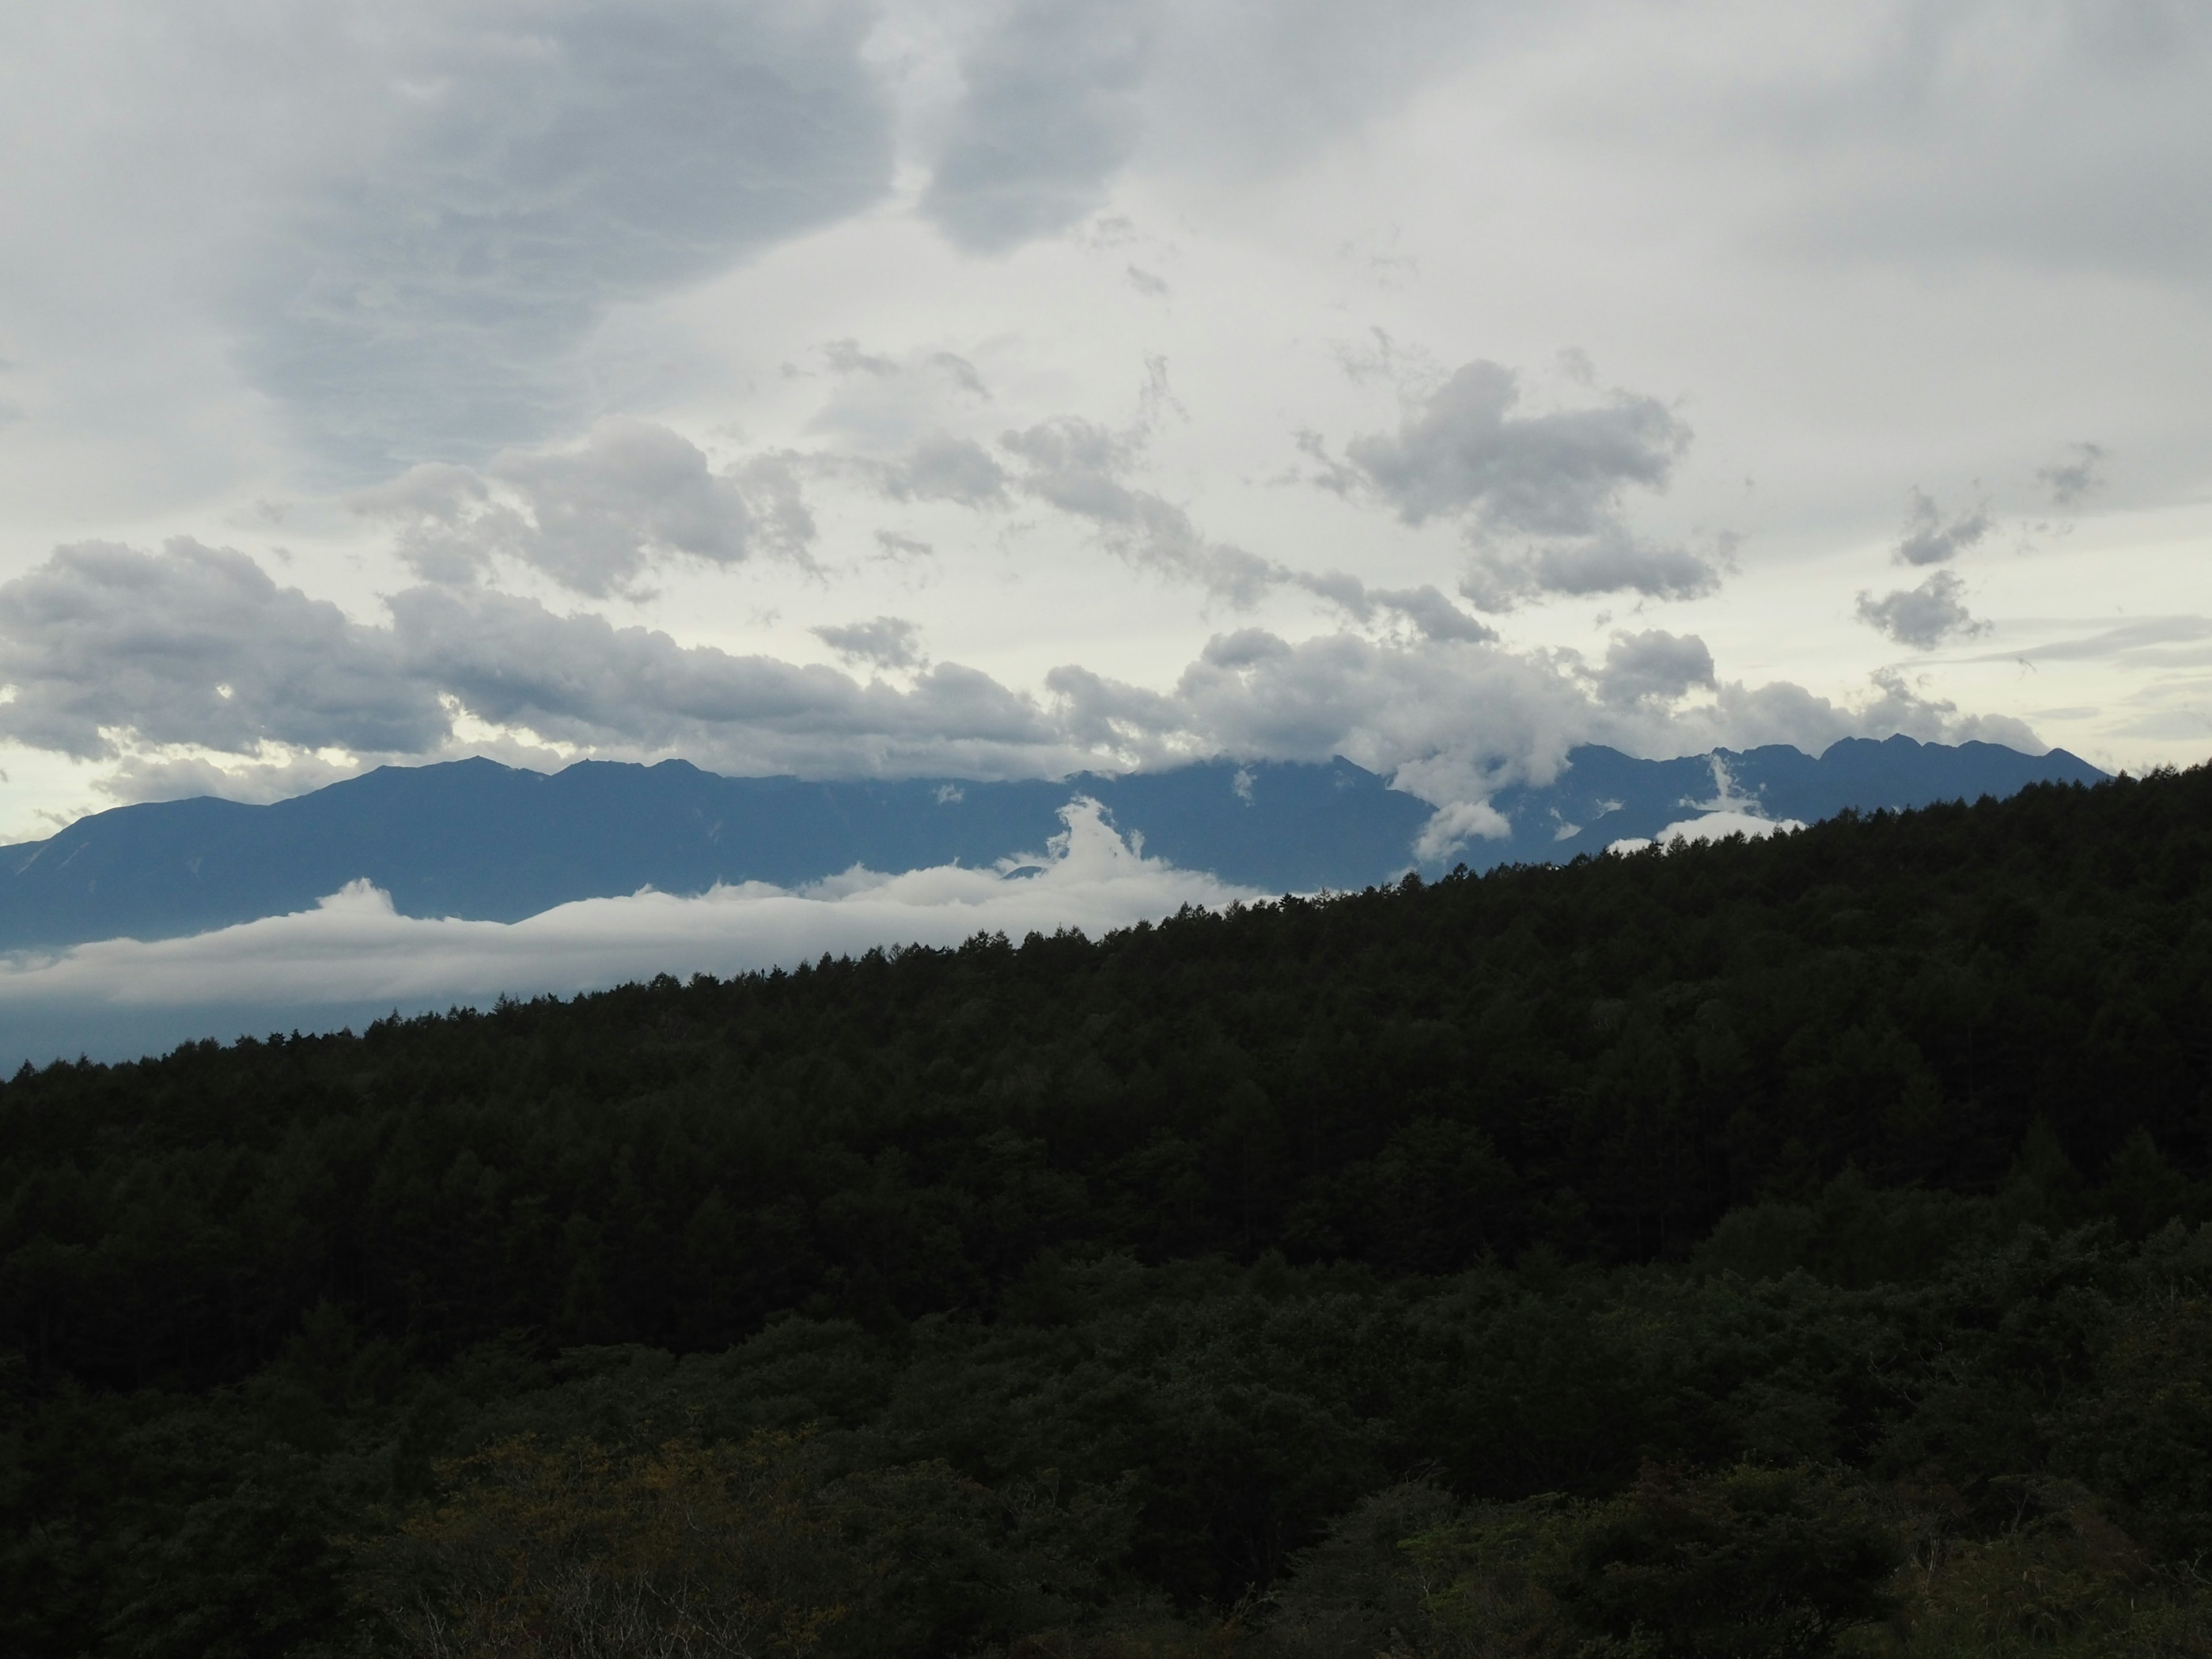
1924, 617
1540, 494
109, 651
1454, 721
2075, 479
1061, 95
1050, 112
1078, 467
538, 163
196, 645
1929, 537
1654, 666
2080, 151
580, 679
114, 654
596, 519
944, 469
886, 642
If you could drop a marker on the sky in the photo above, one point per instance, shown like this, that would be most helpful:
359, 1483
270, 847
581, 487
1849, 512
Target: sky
1005, 389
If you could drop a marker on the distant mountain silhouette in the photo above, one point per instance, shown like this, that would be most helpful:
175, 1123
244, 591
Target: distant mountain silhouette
475, 839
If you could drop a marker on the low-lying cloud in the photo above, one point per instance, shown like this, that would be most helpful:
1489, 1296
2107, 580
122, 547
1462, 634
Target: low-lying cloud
1710, 826
353, 949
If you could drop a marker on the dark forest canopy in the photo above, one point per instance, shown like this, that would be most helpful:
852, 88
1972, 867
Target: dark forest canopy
1513, 1263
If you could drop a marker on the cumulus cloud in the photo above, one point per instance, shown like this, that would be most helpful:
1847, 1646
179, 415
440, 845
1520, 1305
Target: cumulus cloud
1540, 494
597, 518
1929, 538
1655, 667
2074, 479
354, 948
1924, 617
886, 642
510, 173
1049, 112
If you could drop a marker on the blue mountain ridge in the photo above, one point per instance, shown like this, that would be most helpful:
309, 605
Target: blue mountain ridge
475, 839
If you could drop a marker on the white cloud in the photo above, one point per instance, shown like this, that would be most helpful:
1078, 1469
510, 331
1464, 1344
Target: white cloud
355, 949
1709, 826
597, 518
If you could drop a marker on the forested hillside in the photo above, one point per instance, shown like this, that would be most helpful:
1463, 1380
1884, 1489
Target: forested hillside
1778, 1248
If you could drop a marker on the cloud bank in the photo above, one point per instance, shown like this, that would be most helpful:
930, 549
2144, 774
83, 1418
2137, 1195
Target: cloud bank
117, 655
354, 950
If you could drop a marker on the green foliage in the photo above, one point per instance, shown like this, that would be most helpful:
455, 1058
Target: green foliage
1637, 1256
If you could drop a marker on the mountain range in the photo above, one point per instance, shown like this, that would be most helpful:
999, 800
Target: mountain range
477, 839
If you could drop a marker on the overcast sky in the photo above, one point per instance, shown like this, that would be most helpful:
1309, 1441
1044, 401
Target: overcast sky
1002, 389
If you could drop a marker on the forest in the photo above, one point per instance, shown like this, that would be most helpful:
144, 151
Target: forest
1790, 1246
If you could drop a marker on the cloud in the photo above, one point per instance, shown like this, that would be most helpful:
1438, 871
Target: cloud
2061, 138
2075, 480
1079, 467
886, 642
881, 402
1929, 538
196, 645
1924, 617
578, 680
505, 174
1711, 826
1540, 494
1654, 665
1049, 112
2133, 639
1456, 823
1060, 96
596, 519
944, 469
109, 653
353, 948
1453, 721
